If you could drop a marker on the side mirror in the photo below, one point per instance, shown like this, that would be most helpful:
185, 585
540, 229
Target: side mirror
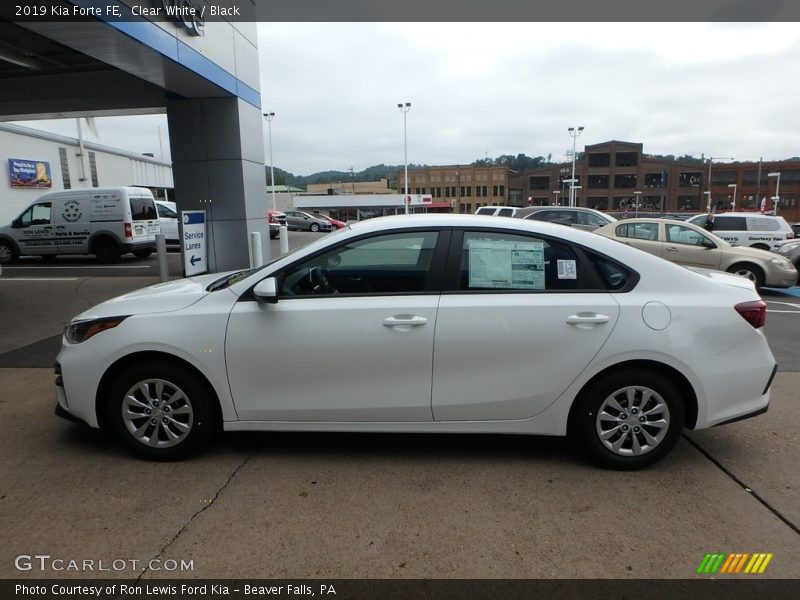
266, 290
708, 244
16, 223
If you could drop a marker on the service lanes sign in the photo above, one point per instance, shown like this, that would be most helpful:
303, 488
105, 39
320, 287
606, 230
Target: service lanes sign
193, 242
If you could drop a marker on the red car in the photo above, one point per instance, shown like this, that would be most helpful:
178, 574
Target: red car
334, 223
276, 218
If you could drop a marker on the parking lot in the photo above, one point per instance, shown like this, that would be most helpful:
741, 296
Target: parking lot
373, 506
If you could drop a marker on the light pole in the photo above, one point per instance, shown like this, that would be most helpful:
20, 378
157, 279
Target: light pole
708, 201
777, 198
269, 116
710, 159
574, 133
404, 108
636, 195
733, 205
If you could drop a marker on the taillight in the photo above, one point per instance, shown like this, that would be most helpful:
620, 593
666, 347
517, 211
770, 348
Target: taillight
754, 312
790, 235
128, 230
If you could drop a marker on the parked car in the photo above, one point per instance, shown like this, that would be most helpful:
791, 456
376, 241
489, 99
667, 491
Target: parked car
687, 244
573, 216
302, 221
796, 229
276, 218
335, 223
747, 229
790, 251
106, 222
498, 211
540, 329
168, 221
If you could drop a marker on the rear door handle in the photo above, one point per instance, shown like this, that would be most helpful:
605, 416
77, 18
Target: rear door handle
404, 321
587, 319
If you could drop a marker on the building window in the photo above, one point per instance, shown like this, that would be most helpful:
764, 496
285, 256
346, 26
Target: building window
626, 159
599, 159
539, 183
93, 168
690, 179
597, 202
466, 190
62, 154
598, 182
723, 177
502, 190
655, 180
625, 181
688, 202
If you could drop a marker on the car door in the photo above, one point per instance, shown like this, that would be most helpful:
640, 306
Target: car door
687, 246
520, 317
34, 230
350, 337
642, 235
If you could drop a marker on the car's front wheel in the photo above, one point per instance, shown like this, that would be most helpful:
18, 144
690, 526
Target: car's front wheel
7, 253
629, 419
314, 227
161, 411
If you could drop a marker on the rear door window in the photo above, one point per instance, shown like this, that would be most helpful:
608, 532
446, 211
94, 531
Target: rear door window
505, 212
729, 223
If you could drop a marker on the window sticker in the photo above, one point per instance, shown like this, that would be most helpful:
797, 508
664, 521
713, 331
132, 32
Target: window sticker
567, 269
503, 264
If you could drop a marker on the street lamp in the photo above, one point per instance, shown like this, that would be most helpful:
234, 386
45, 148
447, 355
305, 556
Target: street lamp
637, 195
708, 200
404, 108
710, 159
269, 116
777, 198
733, 205
574, 133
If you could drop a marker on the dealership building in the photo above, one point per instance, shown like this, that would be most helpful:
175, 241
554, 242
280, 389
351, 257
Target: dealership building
34, 162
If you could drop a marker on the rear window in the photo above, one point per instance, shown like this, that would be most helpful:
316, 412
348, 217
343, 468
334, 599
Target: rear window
142, 209
486, 210
763, 224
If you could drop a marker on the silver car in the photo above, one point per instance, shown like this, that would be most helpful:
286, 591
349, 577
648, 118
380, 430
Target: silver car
302, 221
578, 217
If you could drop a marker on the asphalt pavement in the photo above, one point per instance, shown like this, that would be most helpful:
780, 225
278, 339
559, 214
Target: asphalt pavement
393, 506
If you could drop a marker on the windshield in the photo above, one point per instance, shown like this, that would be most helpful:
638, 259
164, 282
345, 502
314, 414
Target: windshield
237, 276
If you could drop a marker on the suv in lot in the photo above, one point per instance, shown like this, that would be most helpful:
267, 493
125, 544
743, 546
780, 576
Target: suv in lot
765, 232
587, 219
498, 211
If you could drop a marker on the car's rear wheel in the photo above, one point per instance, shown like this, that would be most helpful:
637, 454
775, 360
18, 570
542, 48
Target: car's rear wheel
161, 411
751, 272
628, 419
106, 251
7, 253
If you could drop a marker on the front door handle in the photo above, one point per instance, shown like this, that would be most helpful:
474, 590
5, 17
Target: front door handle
586, 320
404, 322
671, 249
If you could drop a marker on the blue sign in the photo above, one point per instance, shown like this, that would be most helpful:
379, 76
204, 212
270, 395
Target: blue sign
193, 241
29, 173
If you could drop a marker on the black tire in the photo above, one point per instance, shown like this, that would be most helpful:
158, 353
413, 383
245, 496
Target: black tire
586, 424
106, 251
751, 272
202, 418
314, 228
8, 254
760, 247
143, 253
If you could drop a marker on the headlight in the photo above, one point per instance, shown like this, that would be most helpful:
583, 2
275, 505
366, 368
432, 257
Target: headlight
782, 263
80, 331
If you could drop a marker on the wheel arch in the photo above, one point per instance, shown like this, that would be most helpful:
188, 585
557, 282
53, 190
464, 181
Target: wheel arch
11, 242
685, 388
138, 357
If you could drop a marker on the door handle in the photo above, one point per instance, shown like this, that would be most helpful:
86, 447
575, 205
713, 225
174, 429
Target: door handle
404, 321
587, 319
671, 249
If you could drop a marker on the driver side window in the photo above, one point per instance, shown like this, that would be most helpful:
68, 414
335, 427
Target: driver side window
385, 264
38, 214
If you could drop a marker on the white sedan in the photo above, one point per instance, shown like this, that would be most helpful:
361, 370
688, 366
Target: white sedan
441, 323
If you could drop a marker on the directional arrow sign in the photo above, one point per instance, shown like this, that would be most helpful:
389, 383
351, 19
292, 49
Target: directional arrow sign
193, 241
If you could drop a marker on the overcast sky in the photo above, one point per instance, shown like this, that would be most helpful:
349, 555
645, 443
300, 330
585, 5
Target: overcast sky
723, 90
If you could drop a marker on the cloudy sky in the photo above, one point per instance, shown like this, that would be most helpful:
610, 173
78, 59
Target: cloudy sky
724, 90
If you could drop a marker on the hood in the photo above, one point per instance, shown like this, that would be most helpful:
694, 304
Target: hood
162, 297
726, 278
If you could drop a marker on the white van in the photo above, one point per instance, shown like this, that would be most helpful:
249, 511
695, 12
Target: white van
498, 211
106, 222
764, 232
